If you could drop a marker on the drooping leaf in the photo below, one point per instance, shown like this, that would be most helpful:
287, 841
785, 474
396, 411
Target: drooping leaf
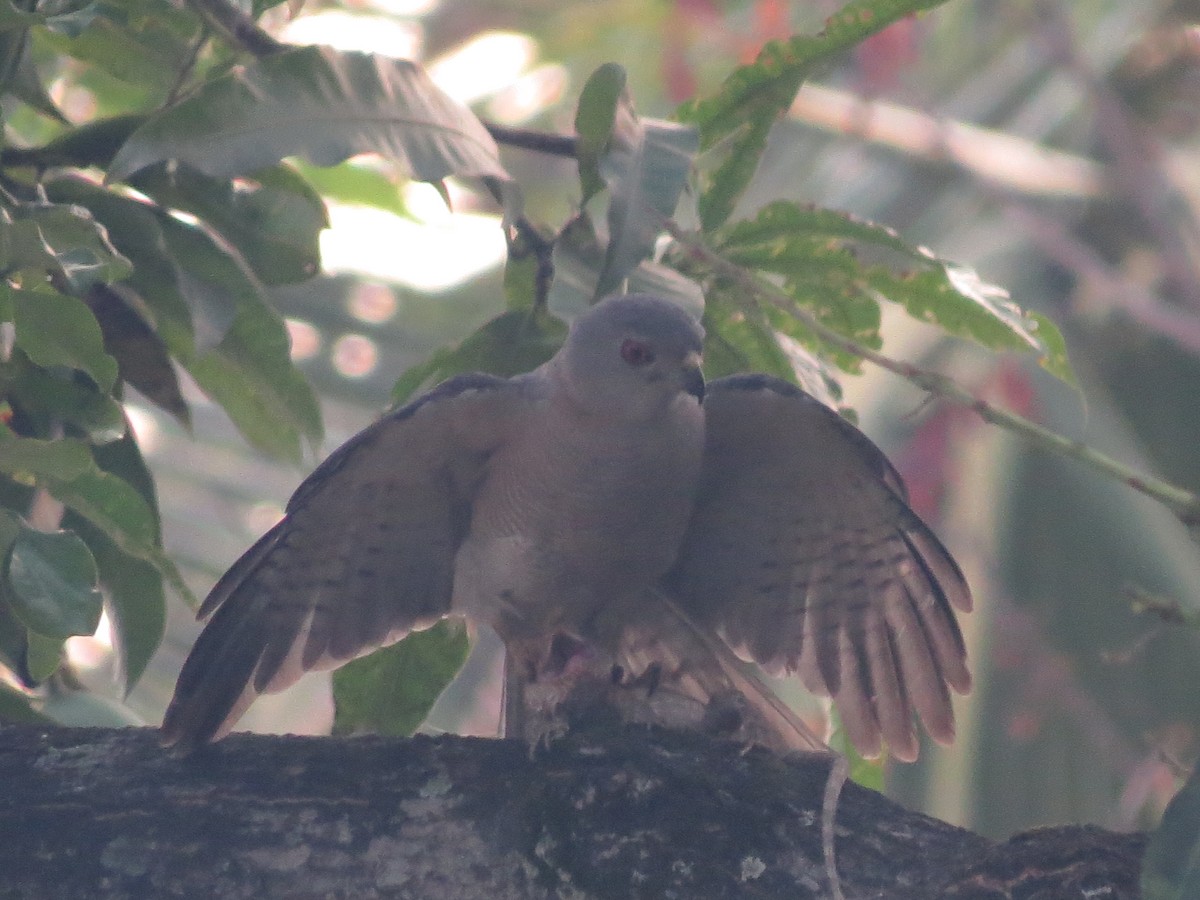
56, 330
59, 14
118, 510
754, 96
274, 218
141, 354
595, 118
321, 105
513, 342
53, 583
392, 690
646, 170
62, 240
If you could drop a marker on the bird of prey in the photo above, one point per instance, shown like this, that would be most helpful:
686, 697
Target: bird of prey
606, 507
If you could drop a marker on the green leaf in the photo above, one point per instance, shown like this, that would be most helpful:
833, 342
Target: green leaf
136, 602
53, 583
513, 342
244, 361
134, 590
1171, 865
738, 341
59, 14
274, 218
754, 96
248, 369
193, 289
119, 511
866, 772
821, 255
595, 118
43, 655
56, 330
140, 42
322, 105
30, 88
392, 690
134, 229
17, 708
63, 240
356, 183
58, 397
30, 458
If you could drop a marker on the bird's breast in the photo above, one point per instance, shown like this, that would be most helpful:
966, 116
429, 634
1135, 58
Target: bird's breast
569, 519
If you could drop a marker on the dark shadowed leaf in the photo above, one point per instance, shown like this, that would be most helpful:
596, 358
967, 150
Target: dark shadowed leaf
17, 708
63, 398
90, 144
754, 96
1171, 867
53, 583
56, 330
392, 690
321, 105
141, 355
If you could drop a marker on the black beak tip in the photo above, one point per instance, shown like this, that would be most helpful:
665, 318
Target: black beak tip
693, 383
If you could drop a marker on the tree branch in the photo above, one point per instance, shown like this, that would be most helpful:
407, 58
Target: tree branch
602, 813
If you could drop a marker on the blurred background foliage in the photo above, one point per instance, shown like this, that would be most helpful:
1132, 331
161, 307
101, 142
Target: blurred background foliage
1052, 146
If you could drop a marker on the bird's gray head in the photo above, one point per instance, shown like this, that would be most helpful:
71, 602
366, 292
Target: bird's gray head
635, 353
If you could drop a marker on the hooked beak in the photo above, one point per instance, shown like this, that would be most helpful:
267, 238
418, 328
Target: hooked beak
693, 378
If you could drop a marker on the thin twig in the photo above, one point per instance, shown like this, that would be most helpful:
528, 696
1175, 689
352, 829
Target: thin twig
1183, 503
552, 144
236, 27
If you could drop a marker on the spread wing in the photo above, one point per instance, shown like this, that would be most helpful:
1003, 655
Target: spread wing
364, 555
804, 555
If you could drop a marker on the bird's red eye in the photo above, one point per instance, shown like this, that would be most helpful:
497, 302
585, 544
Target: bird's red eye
636, 353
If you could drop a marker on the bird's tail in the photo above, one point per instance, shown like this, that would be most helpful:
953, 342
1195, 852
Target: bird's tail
688, 660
